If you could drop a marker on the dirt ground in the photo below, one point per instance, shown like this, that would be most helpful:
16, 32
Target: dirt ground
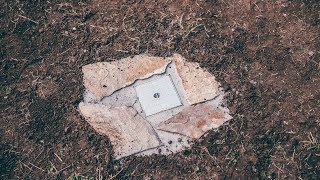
265, 54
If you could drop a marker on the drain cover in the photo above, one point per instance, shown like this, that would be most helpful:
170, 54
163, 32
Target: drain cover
158, 95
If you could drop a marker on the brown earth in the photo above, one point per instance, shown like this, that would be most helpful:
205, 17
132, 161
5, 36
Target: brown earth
264, 53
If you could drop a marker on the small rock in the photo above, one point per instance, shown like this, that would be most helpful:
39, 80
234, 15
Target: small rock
311, 53
253, 82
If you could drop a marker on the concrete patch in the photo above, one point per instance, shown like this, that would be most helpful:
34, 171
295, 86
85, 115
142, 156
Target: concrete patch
123, 125
159, 109
103, 78
199, 84
194, 121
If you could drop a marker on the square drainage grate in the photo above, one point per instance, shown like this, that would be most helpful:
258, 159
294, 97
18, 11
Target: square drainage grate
158, 95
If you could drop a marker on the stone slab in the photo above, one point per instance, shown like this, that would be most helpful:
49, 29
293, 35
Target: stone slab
199, 84
104, 78
127, 130
194, 121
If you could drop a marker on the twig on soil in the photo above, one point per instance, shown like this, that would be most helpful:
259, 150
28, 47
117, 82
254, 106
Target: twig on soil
58, 157
180, 21
191, 30
117, 174
25, 165
99, 173
206, 31
132, 173
124, 51
24, 122
64, 169
37, 167
38, 155
103, 28
55, 169
63, 52
235, 133
24, 17
136, 39
277, 167
205, 149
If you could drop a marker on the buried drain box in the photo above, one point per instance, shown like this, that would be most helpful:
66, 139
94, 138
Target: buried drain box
158, 95
151, 105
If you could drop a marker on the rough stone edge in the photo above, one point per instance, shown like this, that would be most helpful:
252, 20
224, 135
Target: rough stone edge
150, 74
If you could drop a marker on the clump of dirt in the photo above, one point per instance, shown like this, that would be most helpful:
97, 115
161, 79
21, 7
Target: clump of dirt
265, 54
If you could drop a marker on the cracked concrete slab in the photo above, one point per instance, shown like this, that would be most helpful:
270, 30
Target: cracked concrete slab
121, 111
103, 78
123, 125
194, 121
198, 83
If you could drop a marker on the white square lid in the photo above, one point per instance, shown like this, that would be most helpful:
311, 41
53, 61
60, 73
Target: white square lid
158, 95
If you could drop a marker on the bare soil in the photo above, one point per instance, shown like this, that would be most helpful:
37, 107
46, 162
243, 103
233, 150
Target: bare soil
264, 53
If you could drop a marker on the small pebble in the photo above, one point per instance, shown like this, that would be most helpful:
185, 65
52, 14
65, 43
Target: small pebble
311, 53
